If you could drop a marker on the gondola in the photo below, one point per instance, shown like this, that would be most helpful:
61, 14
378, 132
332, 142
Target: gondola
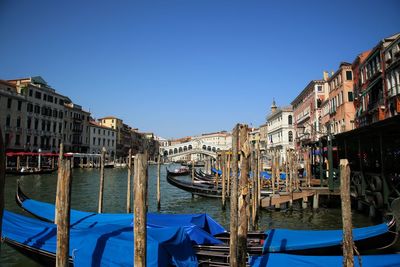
308, 242
203, 176
29, 171
182, 171
107, 245
205, 190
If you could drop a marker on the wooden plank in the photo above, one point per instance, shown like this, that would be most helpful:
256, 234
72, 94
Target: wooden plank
63, 211
140, 210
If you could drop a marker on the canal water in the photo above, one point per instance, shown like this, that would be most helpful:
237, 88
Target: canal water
173, 200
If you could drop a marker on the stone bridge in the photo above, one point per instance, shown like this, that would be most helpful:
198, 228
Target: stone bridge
192, 147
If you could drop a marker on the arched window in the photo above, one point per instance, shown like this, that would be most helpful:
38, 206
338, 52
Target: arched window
204, 147
190, 147
209, 148
170, 152
290, 120
180, 150
175, 150
185, 148
165, 153
290, 136
213, 149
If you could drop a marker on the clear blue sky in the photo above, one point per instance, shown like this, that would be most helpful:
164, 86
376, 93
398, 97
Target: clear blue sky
181, 68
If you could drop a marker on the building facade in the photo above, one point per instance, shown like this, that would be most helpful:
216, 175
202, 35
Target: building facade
13, 117
341, 106
45, 113
307, 111
280, 130
102, 136
391, 56
77, 129
371, 88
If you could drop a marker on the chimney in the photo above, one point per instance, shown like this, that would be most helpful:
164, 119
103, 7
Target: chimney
326, 75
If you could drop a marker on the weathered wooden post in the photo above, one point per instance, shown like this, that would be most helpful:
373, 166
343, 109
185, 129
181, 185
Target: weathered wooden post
233, 249
140, 210
128, 189
63, 210
244, 191
348, 254
228, 173
2, 178
287, 172
101, 191
223, 168
273, 172
254, 191
158, 182
259, 170
278, 171
192, 171
27, 162
18, 163
60, 158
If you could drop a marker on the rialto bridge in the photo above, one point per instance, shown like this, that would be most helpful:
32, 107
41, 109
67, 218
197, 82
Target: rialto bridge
192, 147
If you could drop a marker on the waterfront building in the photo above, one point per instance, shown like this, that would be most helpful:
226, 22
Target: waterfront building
391, 55
223, 139
254, 136
307, 111
340, 101
44, 111
102, 136
280, 130
76, 128
124, 138
13, 117
371, 89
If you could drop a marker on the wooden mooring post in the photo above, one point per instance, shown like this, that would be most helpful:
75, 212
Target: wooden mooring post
140, 210
228, 173
2, 178
60, 158
63, 210
129, 178
233, 249
158, 182
101, 191
243, 197
223, 168
348, 254
254, 191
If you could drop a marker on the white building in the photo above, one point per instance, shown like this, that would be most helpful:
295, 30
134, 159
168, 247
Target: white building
280, 130
102, 136
221, 139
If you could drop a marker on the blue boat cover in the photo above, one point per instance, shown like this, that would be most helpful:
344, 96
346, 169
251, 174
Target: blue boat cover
108, 245
214, 170
280, 240
267, 175
200, 227
278, 259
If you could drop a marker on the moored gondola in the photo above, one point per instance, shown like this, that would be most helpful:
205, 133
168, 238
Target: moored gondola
29, 171
205, 190
182, 171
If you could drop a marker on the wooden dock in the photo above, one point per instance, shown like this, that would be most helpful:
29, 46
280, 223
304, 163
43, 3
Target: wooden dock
284, 199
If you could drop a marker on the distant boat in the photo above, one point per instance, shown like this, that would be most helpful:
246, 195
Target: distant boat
29, 171
182, 171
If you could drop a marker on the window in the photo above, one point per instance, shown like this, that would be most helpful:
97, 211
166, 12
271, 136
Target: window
55, 113
30, 92
349, 75
29, 107
50, 98
44, 97
350, 96
18, 122
9, 102
29, 122
8, 121
43, 125
28, 139
37, 109
38, 95
17, 137
19, 105
94, 140
319, 88
36, 124
290, 120
35, 141
7, 139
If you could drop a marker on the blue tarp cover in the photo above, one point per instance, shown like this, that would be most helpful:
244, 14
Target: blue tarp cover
267, 175
108, 245
214, 170
278, 259
279, 240
200, 227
